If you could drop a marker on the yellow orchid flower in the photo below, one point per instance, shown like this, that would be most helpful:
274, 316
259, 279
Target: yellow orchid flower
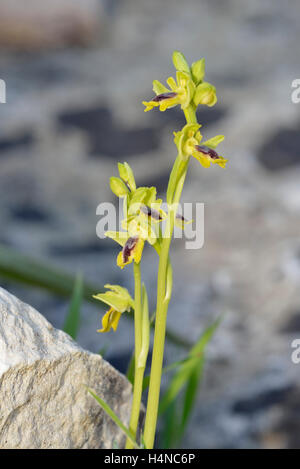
132, 247
180, 92
188, 143
132, 251
110, 320
139, 227
119, 300
206, 155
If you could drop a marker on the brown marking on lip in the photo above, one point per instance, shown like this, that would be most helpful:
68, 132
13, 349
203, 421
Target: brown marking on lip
163, 96
181, 218
127, 184
207, 151
150, 212
129, 247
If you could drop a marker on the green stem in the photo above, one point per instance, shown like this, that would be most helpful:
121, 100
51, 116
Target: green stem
138, 372
162, 304
190, 114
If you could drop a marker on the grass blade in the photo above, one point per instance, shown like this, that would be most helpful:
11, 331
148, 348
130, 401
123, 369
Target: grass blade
195, 378
187, 368
190, 396
26, 270
170, 431
114, 417
72, 322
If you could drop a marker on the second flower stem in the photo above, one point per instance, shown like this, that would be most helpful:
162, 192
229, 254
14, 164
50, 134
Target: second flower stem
138, 371
163, 301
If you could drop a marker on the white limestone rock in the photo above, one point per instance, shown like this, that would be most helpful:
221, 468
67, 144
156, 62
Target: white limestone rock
43, 373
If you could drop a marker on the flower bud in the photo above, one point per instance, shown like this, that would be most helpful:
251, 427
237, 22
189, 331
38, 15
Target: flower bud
205, 94
118, 187
180, 62
126, 174
198, 71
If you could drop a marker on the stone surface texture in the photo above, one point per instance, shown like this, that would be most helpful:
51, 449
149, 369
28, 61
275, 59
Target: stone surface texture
43, 373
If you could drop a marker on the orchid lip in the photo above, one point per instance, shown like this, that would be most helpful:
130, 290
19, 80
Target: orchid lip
207, 151
129, 247
163, 96
150, 212
180, 217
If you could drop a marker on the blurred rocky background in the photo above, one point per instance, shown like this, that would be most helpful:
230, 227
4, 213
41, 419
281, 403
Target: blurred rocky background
76, 73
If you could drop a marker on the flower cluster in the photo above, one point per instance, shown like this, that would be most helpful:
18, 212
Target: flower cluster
188, 88
142, 212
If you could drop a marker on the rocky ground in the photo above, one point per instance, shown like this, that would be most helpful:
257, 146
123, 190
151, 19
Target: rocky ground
72, 114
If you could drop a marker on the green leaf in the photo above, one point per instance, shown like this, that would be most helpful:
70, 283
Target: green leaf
26, 270
190, 396
169, 436
72, 322
107, 409
166, 369
185, 371
143, 445
195, 378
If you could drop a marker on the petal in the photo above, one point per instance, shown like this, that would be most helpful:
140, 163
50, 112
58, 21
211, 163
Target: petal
180, 62
168, 104
163, 100
203, 160
118, 236
151, 196
198, 70
138, 251
110, 320
172, 83
132, 250
198, 136
114, 300
159, 88
214, 141
126, 174
221, 162
167, 100
121, 292
120, 262
150, 105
